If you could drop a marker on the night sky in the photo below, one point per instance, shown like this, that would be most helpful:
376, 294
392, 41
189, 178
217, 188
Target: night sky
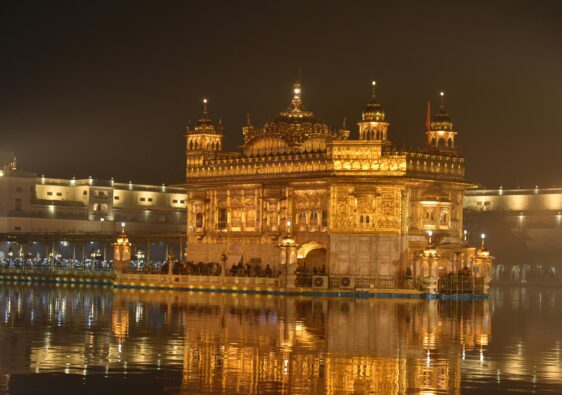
105, 88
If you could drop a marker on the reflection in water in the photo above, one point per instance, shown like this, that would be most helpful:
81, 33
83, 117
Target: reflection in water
221, 343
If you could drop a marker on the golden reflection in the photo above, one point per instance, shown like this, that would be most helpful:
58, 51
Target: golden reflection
233, 343
224, 343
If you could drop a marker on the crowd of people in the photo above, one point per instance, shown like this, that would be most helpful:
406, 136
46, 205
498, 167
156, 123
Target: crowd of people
154, 267
215, 269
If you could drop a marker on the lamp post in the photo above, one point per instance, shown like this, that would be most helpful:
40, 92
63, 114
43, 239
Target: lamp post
92, 259
10, 256
140, 259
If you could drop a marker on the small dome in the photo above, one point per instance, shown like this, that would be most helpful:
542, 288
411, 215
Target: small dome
442, 120
373, 112
204, 125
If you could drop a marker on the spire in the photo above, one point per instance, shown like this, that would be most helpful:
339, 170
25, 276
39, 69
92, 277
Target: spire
441, 134
373, 111
296, 103
248, 129
219, 126
205, 116
343, 125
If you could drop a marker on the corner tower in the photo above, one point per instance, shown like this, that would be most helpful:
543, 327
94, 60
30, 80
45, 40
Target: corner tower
440, 132
204, 136
373, 125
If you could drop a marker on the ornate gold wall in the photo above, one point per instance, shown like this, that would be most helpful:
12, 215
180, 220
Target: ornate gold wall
363, 203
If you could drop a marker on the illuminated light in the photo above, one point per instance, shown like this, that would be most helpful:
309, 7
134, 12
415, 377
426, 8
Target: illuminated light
1, 173
374, 83
102, 219
442, 93
205, 100
122, 224
483, 236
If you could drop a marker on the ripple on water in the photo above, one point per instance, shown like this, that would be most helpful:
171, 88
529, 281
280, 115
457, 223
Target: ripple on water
61, 338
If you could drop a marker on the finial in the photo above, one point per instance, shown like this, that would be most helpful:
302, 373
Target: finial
343, 125
205, 106
297, 90
123, 227
442, 94
483, 237
248, 122
374, 84
296, 102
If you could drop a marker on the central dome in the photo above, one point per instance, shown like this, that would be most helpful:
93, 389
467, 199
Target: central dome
295, 129
296, 124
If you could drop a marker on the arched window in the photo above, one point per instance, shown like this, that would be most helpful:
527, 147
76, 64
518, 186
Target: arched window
441, 142
450, 143
199, 220
367, 219
444, 218
361, 219
433, 141
314, 217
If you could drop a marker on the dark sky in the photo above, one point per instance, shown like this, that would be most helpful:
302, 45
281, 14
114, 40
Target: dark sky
105, 88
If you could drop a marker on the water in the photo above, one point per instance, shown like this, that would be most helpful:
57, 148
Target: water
83, 340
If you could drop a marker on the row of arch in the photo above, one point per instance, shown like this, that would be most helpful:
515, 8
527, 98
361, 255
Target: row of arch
373, 135
207, 145
442, 143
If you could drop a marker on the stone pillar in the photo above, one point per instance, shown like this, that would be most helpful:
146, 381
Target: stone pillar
483, 267
289, 258
171, 261
428, 273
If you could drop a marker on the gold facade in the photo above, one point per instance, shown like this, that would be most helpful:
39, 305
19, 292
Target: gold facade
354, 202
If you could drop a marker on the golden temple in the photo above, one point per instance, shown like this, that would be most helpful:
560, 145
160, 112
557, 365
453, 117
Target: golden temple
324, 200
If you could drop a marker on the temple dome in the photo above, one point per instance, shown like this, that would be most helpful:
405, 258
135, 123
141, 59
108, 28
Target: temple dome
442, 120
295, 127
373, 112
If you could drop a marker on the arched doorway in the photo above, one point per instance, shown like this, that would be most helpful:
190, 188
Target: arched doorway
312, 255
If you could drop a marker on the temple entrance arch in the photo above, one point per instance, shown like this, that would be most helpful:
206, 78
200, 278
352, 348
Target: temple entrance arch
312, 255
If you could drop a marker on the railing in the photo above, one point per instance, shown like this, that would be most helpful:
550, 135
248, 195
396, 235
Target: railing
199, 280
372, 282
58, 272
46, 265
455, 284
